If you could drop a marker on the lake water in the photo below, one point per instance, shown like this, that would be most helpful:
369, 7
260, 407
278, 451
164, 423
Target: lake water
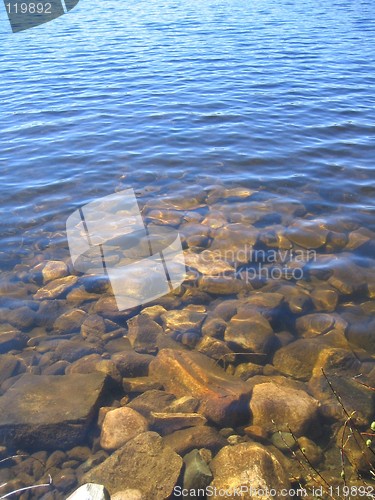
182, 101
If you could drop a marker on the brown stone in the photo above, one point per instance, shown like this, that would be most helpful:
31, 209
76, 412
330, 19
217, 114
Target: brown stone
121, 425
185, 440
56, 288
249, 330
222, 397
144, 463
247, 465
276, 408
143, 333
166, 423
54, 269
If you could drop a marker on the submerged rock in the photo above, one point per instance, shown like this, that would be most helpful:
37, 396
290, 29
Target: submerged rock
56, 288
121, 425
250, 331
165, 423
197, 473
54, 269
249, 466
90, 491
186, 440
144, 463
277, 408
222, 397
188, 319
50, 412
11, 338
143, 333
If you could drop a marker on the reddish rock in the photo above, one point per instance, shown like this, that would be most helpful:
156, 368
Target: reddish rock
223, 398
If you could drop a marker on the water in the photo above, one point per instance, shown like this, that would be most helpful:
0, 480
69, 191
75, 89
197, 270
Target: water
177, 98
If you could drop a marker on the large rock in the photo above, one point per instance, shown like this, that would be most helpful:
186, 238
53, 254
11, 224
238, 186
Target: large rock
185, 440
121, 425
144, 463
11, 338
250, 331
277, 408
153, 400
249, 466
132, 364
50, 412
185, 320
143, 333
56, 288
223, 398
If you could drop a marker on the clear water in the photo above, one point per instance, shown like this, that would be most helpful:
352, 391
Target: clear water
173, 98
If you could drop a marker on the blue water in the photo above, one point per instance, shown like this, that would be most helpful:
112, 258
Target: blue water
176, 98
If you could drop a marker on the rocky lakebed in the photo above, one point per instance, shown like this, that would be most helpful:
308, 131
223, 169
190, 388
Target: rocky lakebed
258, 372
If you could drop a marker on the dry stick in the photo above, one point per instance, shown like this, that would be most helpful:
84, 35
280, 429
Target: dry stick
27, 488
327, 485
351, 425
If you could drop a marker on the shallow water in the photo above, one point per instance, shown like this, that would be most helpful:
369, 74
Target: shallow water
182, 101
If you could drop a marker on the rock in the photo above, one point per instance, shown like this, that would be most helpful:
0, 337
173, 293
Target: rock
359, 455
186, 404
140, 384
315, 324
357, 400
90, 491
143, 332
221, 285
69, 321
247, 465
250, 331
222, 397
184, 320
153, 400
208, 263
56, 288
31, 410
10, 366
144, 463
21, 318
186, 440
324, 298
53, 270
216, 349
128, 494
307, 233
214, 327
247, 370
93, 325
284, 441
11, 339
121, 425
165, 423
132, 364
297, 298
71, 350
277, 408
298, 358
197, 474
310, 450
347, 277
80, 453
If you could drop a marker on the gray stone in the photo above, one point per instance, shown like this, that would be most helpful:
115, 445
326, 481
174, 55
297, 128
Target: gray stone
140, 384
90, 491
197, 473
50, 411
144, 463
71, 350
153, 400
10, 366
11, 339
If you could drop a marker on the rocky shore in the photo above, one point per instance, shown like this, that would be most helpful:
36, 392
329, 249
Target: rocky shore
245, 376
